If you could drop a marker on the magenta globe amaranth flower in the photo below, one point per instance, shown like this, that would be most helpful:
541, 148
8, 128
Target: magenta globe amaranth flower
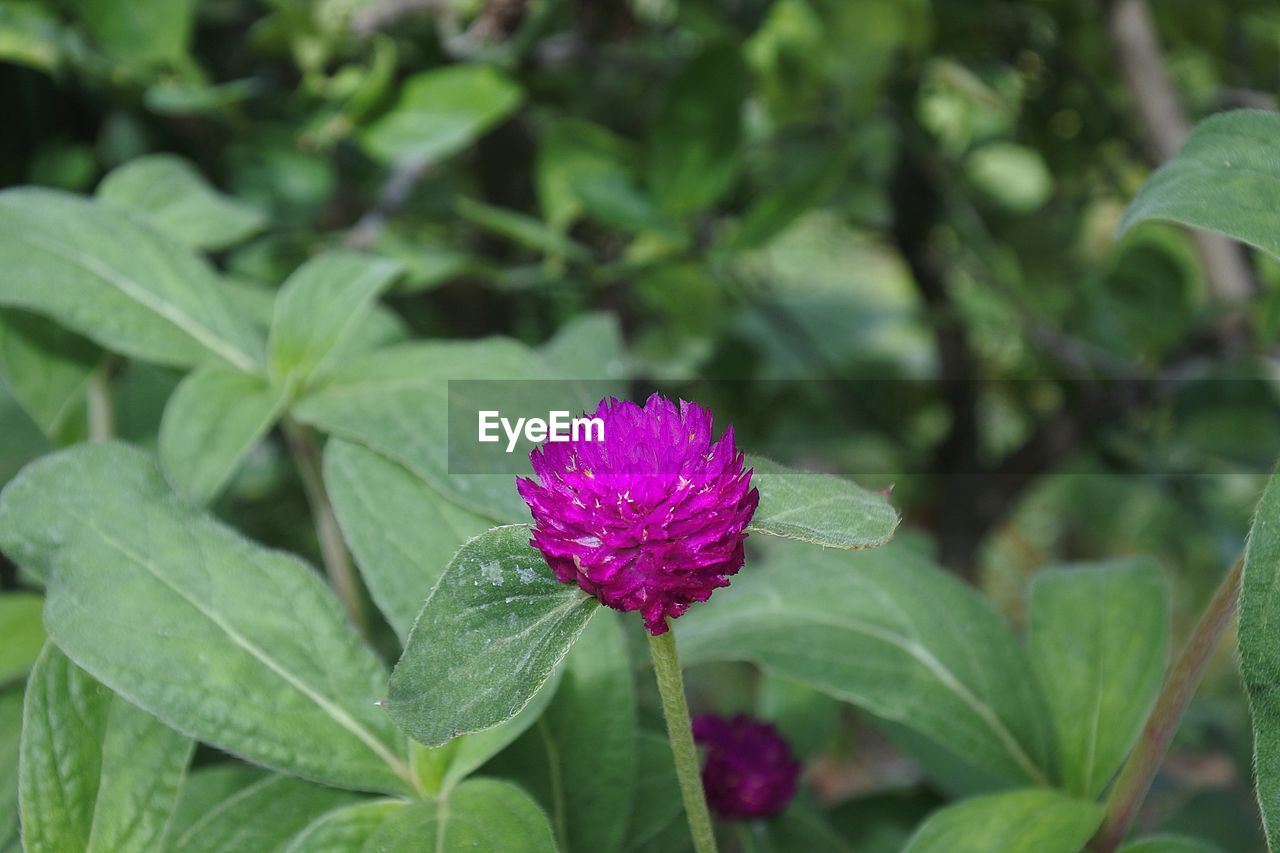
748, 770
652, 517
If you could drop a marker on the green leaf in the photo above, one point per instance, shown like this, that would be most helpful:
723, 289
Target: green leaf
1169, 844
443, 767
1259, 652
402, 532
10, 737
522, 229
579, 760
572, 150
239, 646
141, 33
657, 808
819, 508
614, 200
441, 112
321, 306
693, 155
343, 828
491, 633
1226, 178
170, 193
97, 773
480, 814
31, 34
263, 816
798, 830
1030, 821
888, 631
204, 789
1099, 642
588, 346
115, 280
23, 633
395, 401
46, 368
212, 421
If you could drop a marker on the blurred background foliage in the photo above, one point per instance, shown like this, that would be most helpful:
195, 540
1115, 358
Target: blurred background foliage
918, 196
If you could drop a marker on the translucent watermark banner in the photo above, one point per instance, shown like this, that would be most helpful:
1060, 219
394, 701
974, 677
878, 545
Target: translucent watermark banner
896, 427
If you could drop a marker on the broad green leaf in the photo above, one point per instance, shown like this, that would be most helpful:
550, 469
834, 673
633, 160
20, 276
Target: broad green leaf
1099, 643
479, 814
321, 306
239, 646
809, 719
212, 421
491, 633
169, 192
797, 830
589, 346
46, 368
141, 32
1169, 844
441, 112
395, 401
819, 508
31, 34
97, 773
1226, 178
571, 150
614, 200
579, 760
344, 828
693, 152
1260, 654
204, 789
439, 769
1028, 821
10, 736
657, 809
112, 278
263, 816
23, 633
402, 532
888, 631
523, 230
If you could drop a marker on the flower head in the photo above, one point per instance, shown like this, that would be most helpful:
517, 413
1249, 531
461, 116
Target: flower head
748, 771
652, 517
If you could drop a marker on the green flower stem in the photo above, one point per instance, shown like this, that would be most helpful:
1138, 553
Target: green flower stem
333, 551
1140, 769
101, 405
666, 666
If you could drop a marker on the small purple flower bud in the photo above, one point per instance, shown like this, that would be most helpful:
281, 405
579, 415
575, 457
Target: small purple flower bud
748, 771
653, 517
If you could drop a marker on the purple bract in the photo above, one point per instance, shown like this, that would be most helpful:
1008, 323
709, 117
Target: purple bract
748, 771
653, 517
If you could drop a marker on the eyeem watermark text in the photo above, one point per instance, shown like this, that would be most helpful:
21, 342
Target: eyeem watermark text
558, 426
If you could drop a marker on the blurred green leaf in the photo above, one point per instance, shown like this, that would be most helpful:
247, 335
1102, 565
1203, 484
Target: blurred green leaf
1030, 821
22, 627
615, 201
263, 816
1015, 176
458, 673
267, 666
1099, 642
442, 111
111, 278
523, 230
1169, 844
173, 196
46, 368
886, 630
320, 306
10, 737
657, 812
573, 150
344, 828
30, 34
693, 147
480, 814
819, 508
97, 773
402, 532
211, 422
141, 32
1226, 178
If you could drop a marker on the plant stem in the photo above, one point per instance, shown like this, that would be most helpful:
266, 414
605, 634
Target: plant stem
1140, 769
666, 666
333, 551
100, 405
